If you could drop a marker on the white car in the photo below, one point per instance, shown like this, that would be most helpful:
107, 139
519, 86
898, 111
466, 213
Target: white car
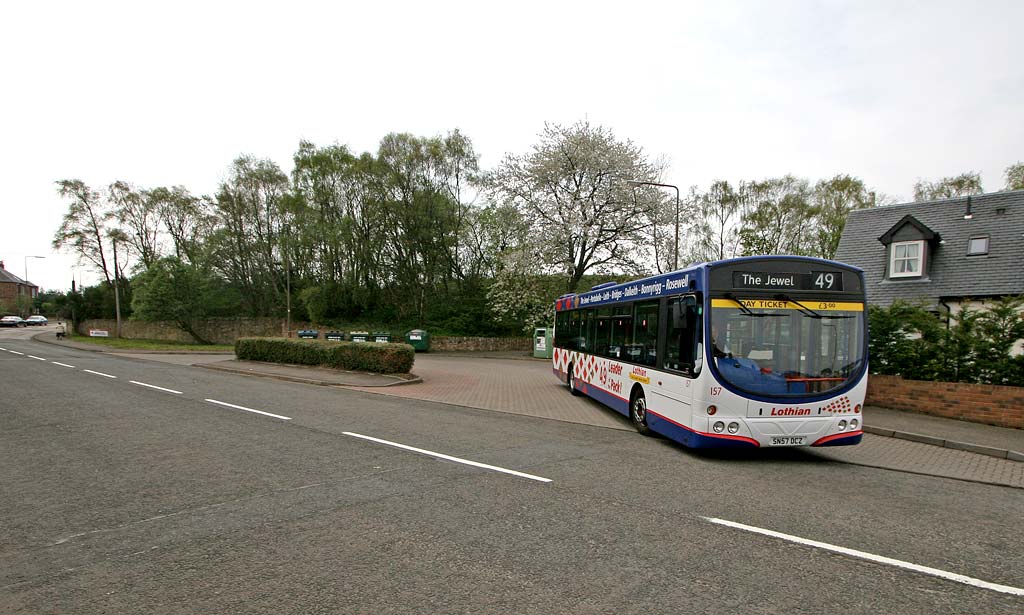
12, 321
37, 320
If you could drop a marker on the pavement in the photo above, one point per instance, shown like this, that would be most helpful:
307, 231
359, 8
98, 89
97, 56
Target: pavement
514, 382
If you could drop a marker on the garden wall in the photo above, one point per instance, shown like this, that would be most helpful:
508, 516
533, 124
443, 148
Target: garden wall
227, 330
1002, 406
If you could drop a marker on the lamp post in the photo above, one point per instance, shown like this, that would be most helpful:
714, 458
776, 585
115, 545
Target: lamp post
675, 251
26, 270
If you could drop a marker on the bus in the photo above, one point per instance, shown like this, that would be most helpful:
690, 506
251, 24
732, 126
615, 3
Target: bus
764, 351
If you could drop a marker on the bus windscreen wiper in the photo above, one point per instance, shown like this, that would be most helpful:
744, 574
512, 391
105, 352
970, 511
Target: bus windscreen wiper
803, 308
744, 309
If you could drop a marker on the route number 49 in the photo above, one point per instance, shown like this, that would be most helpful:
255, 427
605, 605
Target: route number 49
825, 281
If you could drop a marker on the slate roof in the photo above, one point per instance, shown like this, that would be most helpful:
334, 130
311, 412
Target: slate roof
7, 276
951, 273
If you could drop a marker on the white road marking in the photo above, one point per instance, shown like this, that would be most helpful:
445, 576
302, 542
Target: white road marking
62, 364
449, 457
32, 356
99, 373
153, 386
4, 349
224, 403
16, 352
950, 576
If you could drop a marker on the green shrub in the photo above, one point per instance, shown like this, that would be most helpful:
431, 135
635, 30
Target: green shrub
363, 357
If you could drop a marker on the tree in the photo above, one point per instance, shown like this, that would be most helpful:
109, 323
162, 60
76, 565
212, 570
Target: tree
138, 219
778, 218
580, 217
948, 187
84, 225
246, 243
186, 218
173, 291
1015, 176
833, 200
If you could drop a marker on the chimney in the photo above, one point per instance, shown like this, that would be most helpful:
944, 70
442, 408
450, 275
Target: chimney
968, 215
1, 264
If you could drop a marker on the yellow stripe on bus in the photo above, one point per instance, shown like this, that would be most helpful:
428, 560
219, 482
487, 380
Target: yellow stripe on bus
778, 304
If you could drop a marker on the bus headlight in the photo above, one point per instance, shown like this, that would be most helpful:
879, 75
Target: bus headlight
842, 425
853, 423
718, 427
734, 427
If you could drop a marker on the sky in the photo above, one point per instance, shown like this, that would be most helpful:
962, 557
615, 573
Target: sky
163, 94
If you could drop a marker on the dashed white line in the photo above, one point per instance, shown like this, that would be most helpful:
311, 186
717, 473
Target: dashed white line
153, 386
224, 403
32, 356
16, 352
950, 576
62, 364
449, 457
99, 373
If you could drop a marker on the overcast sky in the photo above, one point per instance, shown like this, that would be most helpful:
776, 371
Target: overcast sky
169, 95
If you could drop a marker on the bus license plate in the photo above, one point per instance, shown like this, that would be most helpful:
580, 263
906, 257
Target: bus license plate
788, 441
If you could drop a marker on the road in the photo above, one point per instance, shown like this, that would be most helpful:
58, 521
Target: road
134, 486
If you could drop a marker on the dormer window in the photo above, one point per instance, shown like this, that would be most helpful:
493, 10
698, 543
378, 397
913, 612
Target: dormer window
906, 259
909, 244
977, 246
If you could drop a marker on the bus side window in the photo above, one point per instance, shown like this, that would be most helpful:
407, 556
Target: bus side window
683, 334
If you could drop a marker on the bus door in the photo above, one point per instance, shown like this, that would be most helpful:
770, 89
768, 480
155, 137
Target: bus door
682, 340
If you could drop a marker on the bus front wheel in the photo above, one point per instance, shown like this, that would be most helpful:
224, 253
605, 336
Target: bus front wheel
638, 413
572, 381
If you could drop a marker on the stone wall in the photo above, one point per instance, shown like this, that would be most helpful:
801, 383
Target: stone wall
489, 344
979, 403
225, 331
218, 330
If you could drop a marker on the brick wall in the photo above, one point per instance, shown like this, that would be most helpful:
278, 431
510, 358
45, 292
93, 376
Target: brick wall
979, 403
225, 331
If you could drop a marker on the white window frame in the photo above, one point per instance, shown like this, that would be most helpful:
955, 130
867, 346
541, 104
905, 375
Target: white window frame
972, 239
893, 273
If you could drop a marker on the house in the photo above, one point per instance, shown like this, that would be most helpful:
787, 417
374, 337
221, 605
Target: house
16, 295
943, 253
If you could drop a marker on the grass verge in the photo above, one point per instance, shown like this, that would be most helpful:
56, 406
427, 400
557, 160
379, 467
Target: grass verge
142, 344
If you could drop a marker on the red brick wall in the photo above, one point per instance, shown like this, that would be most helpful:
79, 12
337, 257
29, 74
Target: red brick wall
979, 403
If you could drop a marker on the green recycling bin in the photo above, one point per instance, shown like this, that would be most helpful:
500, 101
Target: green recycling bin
542, 343
382, 337
359, 336
418, 339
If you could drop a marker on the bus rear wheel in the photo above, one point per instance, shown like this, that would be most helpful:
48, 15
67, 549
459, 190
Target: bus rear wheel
638, 413
571, 380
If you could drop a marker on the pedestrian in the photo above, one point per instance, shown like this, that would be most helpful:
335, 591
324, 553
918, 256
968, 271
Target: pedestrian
60, 330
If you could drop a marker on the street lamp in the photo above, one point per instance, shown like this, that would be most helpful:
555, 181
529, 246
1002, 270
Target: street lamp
26, 268
675, 252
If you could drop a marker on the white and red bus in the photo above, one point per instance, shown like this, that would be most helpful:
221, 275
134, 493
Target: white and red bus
748, 352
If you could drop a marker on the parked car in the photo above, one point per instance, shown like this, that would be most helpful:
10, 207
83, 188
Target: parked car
36, 320
12, 321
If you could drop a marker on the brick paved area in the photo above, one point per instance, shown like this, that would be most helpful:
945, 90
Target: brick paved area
505, 385
529, 388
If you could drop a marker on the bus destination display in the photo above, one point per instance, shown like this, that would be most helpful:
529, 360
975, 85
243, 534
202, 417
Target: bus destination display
772, 280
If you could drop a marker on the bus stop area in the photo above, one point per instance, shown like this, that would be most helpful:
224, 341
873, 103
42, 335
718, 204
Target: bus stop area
518, 383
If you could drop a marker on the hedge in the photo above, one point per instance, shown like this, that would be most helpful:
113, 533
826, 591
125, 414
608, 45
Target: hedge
363, 357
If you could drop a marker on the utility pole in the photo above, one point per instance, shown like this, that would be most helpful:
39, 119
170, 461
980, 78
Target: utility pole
117, 298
